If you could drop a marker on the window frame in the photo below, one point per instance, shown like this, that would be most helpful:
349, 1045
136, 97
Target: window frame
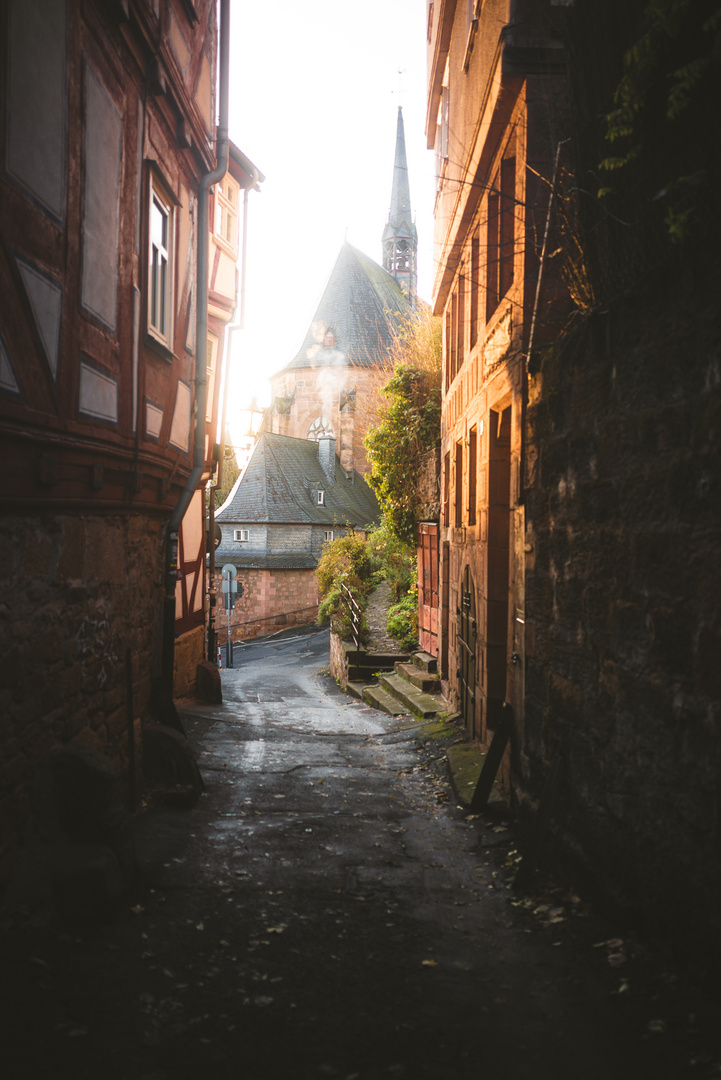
160, 289
458, 492
241, 536
226, 212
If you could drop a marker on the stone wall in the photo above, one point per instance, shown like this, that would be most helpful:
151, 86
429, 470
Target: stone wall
75, 594
623, 680
271, 600
189, 652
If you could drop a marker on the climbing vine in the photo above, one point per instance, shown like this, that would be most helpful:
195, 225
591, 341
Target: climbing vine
668, 80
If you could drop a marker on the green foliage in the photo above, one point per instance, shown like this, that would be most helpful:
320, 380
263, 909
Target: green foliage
393, 560
361, 565
409, 426
403, 620
345, 561
670, 73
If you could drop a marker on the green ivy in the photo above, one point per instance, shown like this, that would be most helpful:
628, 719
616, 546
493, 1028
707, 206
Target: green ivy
665, 75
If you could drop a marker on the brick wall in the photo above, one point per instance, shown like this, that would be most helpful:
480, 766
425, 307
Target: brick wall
75, 594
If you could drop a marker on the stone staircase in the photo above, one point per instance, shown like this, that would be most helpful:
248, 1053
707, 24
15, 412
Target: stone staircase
411, 686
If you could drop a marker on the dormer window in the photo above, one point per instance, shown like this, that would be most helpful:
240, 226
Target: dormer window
320, 497
329, 339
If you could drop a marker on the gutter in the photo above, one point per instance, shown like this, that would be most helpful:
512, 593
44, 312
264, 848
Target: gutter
164, 701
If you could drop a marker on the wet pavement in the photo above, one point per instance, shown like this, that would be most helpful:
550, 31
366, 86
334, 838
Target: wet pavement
327, 911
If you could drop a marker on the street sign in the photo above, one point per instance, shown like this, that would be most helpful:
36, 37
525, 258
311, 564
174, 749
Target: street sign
230, 591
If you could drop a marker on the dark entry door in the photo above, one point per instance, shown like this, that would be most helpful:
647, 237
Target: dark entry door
467, 634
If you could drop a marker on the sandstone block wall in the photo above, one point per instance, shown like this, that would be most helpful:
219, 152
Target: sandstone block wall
75, 594
271, 600
623, 679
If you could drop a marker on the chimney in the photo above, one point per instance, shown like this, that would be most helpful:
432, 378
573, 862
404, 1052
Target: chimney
326, 455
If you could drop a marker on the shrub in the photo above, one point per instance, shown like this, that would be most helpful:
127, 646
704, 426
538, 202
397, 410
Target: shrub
346, 560
393, 560
409, 424
403, 620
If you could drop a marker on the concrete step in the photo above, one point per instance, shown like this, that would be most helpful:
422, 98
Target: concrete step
429, 684
420, 704
381, 699
356, 689
425, 662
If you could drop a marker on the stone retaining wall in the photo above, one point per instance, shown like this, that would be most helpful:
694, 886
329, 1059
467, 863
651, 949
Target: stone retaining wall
623, 604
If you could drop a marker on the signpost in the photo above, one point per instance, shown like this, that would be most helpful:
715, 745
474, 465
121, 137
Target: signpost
230, 591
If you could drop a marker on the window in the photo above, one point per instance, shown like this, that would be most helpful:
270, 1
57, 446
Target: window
320, 427
241, 534
226, 211
446, 488
212, 351
328, 535
461, 321
442, 129
475, 271
320, 498
471, 29
329, 339
160, 266
500, 235
472, 466
459, 485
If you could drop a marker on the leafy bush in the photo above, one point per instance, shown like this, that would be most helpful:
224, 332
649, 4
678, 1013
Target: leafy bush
393, 560
403, 620
409, 426
348, 562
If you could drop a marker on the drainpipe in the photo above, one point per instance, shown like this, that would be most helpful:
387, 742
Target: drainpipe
165, 704
227, 353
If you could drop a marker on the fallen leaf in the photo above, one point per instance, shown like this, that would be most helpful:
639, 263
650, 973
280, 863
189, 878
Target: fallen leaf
657, 1026
429, 963
276, 929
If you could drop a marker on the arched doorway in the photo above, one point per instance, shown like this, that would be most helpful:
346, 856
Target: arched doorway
466, 649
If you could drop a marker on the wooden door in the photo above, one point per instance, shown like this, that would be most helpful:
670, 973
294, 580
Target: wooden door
428, 586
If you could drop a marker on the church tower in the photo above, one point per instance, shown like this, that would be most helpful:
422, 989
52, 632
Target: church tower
400, 239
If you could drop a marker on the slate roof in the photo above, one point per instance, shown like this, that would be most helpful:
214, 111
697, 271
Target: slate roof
287, 560
278, 486
360, 303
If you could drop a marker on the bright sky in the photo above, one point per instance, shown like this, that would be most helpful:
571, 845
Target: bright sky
314, 95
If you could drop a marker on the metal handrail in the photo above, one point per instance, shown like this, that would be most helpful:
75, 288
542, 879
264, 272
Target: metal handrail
355, 614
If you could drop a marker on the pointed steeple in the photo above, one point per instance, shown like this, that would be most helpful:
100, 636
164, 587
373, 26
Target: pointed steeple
400, 239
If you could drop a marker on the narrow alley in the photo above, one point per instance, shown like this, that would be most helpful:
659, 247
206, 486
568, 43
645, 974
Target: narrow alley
326, 910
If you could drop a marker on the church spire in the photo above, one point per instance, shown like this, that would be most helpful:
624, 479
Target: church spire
400, 239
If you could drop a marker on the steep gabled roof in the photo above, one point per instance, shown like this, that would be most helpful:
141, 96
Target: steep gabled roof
279, 483
360, 303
